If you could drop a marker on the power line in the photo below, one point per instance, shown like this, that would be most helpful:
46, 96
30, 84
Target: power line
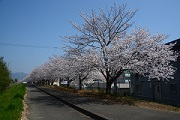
32, 46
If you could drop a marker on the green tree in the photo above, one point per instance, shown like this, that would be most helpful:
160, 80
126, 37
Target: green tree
16, 80
5, 79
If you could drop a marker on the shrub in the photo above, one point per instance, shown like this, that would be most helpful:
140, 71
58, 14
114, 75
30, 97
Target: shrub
4, 75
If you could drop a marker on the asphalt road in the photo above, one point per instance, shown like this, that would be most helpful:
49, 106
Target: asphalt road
43, 106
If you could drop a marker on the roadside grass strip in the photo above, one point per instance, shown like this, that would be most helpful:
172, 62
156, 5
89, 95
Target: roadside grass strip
119, 99
11, 104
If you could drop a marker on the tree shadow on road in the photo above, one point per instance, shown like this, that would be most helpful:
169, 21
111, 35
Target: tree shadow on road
74, 98
33, 97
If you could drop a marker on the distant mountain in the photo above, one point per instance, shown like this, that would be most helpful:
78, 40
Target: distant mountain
18, 75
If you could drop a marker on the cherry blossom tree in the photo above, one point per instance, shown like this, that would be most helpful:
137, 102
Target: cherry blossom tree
62, 68
34, 76
68, 68
82, 65
106, 33
45, 73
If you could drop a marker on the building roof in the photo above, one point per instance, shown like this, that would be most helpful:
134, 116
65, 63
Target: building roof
177, 45
177, 42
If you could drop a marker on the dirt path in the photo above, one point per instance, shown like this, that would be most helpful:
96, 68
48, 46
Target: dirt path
25, 108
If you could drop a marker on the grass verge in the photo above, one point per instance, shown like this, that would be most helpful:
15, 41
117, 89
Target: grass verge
11, 104
118, 99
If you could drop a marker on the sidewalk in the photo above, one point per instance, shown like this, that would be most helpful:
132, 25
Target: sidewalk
113, 111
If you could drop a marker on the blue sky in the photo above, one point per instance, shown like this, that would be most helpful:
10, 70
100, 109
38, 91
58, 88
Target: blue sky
42, 22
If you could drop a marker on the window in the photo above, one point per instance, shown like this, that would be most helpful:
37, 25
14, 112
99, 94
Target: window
173, 88
127, 75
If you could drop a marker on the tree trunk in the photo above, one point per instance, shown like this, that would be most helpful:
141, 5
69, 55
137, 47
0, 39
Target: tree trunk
80, 83
68, 82
108, 87
110, 81
115, 87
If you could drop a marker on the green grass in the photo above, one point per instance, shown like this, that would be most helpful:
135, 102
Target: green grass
11, 104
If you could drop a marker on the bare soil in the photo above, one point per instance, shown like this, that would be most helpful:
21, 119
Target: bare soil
25, 109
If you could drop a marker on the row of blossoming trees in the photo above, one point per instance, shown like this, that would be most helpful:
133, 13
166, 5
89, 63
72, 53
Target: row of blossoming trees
70, 68
105, 47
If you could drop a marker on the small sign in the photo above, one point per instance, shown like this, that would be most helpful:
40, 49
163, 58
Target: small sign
127, 75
